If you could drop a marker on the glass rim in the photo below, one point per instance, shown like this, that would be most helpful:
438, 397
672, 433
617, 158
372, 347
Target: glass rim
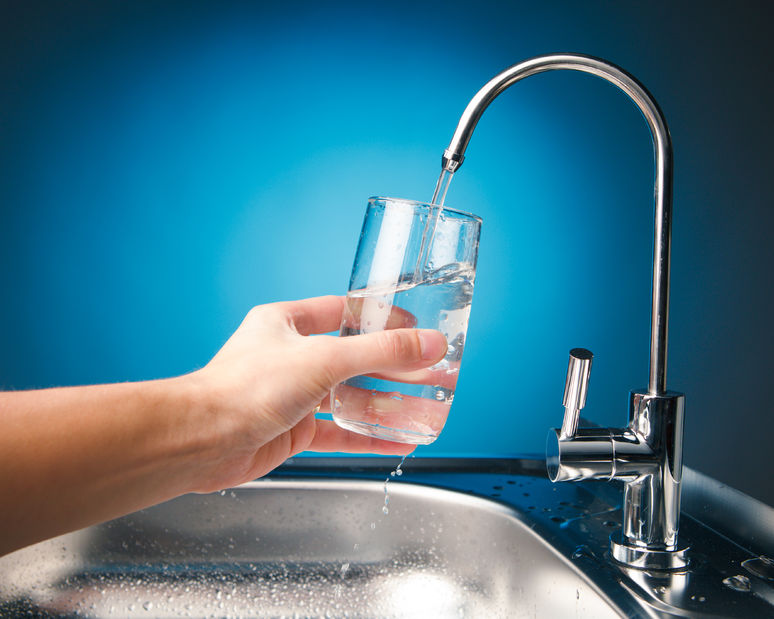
417, 203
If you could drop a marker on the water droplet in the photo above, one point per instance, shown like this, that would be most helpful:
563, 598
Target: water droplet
385, 510
148, 605
440, 395
399, 472
582, 551
373, 526
762, 567
738, 583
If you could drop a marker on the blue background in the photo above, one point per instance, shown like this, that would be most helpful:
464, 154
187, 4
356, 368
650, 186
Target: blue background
165, 166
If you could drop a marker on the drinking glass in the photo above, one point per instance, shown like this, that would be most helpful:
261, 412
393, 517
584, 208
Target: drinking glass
414, 267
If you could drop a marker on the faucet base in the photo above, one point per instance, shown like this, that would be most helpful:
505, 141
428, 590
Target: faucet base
646, 559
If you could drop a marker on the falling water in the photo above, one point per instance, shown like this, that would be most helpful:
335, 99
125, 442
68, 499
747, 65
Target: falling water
441, 187
439, 196
398, 472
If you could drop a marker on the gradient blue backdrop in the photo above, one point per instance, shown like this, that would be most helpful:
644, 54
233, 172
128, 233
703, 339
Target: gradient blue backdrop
165, 166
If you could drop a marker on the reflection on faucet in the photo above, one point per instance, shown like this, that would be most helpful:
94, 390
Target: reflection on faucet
647, 453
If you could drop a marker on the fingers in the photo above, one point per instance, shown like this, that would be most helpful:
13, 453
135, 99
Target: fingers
375, 314
315, 315
417, 415
437, 376
330, 437
397, 349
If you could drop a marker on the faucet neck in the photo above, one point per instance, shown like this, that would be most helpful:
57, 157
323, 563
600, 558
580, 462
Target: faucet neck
454, 155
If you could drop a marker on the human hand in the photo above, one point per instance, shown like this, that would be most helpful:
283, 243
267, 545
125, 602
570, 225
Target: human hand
260, 392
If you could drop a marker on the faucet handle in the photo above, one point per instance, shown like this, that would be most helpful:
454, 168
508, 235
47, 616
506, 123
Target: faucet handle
575, 388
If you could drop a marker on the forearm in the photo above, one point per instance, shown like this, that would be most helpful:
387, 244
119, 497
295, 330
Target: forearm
75, 456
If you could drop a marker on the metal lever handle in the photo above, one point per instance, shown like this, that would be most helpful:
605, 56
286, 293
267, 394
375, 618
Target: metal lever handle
575, 388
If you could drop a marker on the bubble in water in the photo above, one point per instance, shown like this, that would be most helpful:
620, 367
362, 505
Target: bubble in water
440, 395
399, 472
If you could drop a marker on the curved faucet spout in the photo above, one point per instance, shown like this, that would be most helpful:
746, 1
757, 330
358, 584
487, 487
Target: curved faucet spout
455, 153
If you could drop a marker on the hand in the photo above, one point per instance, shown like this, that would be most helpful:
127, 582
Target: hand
260, 392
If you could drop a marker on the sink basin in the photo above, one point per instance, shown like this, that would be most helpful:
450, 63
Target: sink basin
314, 542
321, 548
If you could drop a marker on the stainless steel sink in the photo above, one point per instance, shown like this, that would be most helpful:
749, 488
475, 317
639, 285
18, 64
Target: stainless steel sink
314, 542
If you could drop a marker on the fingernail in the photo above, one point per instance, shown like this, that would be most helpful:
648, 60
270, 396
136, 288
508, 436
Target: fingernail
428, 345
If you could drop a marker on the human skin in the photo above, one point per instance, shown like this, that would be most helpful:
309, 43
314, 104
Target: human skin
75, 456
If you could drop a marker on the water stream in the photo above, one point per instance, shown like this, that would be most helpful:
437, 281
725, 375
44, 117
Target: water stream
398, 472
439, 196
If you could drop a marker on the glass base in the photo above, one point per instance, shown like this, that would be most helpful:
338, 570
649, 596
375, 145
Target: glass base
385, 433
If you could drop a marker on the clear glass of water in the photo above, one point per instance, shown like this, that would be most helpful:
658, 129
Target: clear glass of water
415, 267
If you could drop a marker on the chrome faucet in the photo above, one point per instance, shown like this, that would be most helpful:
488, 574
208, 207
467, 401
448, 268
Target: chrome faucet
646, 454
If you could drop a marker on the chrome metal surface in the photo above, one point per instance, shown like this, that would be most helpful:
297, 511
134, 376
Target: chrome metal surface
647, 558
728, 511
649, 451
464, 537
314, 548
575, 387
647, 454
455, 153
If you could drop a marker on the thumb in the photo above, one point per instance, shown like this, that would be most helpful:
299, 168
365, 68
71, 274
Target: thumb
393, 349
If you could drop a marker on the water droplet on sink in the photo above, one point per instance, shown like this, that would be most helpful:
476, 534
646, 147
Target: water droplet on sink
738, 583
582, 551
762, 567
